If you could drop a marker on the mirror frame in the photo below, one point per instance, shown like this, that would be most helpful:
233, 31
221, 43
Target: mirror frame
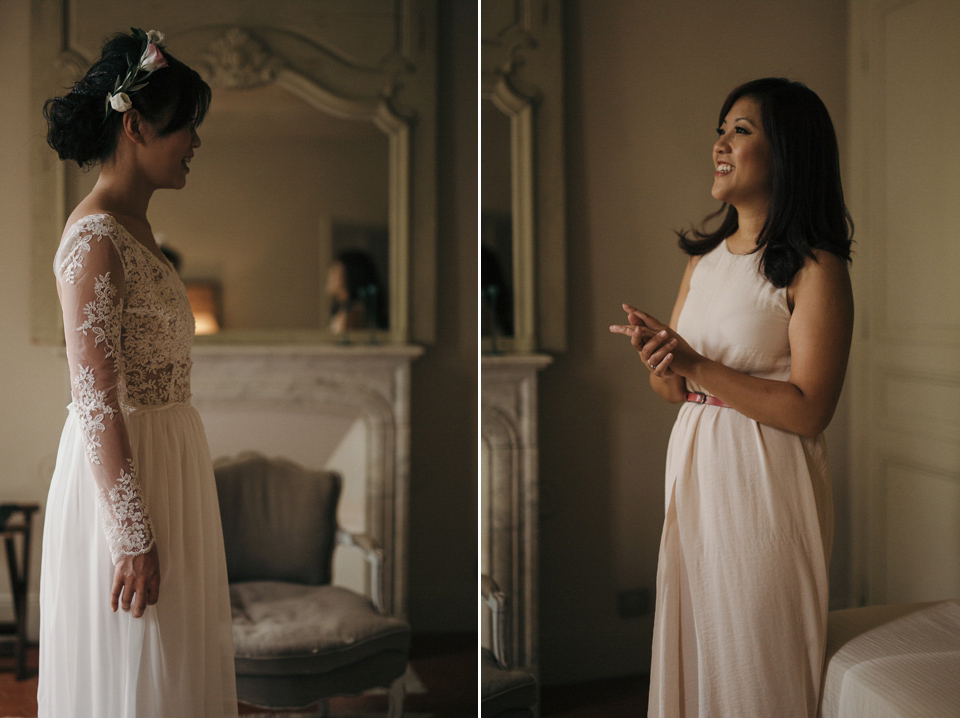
522, 72
397, 94
519, 109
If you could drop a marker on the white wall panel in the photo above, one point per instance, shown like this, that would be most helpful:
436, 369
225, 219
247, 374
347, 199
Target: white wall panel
905, 160
923, 539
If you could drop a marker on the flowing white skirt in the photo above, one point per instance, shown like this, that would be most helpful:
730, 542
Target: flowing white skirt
175, 661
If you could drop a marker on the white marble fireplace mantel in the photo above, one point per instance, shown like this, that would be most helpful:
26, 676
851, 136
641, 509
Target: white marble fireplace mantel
510, 493
342, 407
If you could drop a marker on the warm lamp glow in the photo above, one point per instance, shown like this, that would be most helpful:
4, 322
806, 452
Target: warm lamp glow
204, 299
205, 323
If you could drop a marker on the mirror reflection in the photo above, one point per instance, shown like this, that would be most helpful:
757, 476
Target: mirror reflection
286, 222
496, 225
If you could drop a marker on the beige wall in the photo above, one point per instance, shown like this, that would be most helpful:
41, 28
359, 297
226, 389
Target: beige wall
645, 81
495, 180
443, 476
33, 380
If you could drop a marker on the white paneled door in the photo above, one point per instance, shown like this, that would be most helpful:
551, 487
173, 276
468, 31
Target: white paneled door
903, 184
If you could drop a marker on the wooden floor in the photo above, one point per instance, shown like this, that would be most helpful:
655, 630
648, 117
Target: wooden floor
447, 665
17, 698
611, 698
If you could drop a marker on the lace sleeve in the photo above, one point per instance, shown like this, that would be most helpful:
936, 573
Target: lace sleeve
91, 283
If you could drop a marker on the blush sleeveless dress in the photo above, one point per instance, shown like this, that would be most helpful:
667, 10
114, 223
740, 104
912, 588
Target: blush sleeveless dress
133, 471
742, 594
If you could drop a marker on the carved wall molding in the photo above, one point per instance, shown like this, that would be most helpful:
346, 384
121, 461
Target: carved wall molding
237, 60
510, 25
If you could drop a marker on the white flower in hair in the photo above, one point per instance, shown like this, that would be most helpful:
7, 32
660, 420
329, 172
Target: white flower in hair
138, 73
120, 102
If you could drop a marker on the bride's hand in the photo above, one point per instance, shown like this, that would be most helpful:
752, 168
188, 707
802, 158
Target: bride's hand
136, 582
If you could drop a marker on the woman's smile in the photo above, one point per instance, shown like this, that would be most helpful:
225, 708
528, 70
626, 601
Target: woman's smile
741, 157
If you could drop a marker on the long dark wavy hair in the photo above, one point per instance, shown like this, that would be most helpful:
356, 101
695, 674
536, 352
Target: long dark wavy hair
76, 128
807, 210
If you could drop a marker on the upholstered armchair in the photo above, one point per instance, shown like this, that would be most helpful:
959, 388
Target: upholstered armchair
297, 638
504, 692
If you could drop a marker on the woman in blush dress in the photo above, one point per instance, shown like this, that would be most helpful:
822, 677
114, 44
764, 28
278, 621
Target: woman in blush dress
134, 604
755, 354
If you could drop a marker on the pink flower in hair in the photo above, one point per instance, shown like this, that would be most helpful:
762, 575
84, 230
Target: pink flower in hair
152, 59
138, 74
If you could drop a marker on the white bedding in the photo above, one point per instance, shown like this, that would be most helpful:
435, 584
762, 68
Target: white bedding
899, 661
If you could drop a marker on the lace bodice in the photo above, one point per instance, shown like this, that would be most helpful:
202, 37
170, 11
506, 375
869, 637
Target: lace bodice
128, 329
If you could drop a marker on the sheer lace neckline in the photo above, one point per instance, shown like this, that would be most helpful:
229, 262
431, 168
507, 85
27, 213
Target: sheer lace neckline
162, 261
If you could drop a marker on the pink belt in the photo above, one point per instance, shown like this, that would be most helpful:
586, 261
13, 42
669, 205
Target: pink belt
698, 397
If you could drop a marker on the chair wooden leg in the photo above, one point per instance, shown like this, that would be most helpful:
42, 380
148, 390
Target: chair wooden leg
323, 708
19, 589
18, 565
398, 693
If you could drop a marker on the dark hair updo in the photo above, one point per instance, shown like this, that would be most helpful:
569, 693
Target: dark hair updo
807, 210
76, 128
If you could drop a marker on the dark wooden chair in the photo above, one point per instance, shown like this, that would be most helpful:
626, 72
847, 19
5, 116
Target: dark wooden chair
16, 522
297, 638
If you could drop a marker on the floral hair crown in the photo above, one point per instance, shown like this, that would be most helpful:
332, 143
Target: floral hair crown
151, 59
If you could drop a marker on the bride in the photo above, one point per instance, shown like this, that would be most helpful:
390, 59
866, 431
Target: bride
134, 603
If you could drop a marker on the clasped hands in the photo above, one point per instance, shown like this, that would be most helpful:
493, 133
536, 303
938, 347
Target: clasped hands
664, 352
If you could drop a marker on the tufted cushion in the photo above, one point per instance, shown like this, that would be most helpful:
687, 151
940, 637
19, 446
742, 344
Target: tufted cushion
282, 628
505, 692
279, 519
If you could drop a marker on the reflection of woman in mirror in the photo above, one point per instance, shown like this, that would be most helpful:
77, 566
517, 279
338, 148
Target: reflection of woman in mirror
496, 294
755, 353
133, 496
357, 296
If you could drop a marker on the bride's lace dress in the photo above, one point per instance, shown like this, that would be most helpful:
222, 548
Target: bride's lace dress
133, 471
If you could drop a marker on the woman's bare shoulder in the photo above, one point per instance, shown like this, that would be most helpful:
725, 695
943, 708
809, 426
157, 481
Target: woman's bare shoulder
692, 262
824, 266
824, 274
